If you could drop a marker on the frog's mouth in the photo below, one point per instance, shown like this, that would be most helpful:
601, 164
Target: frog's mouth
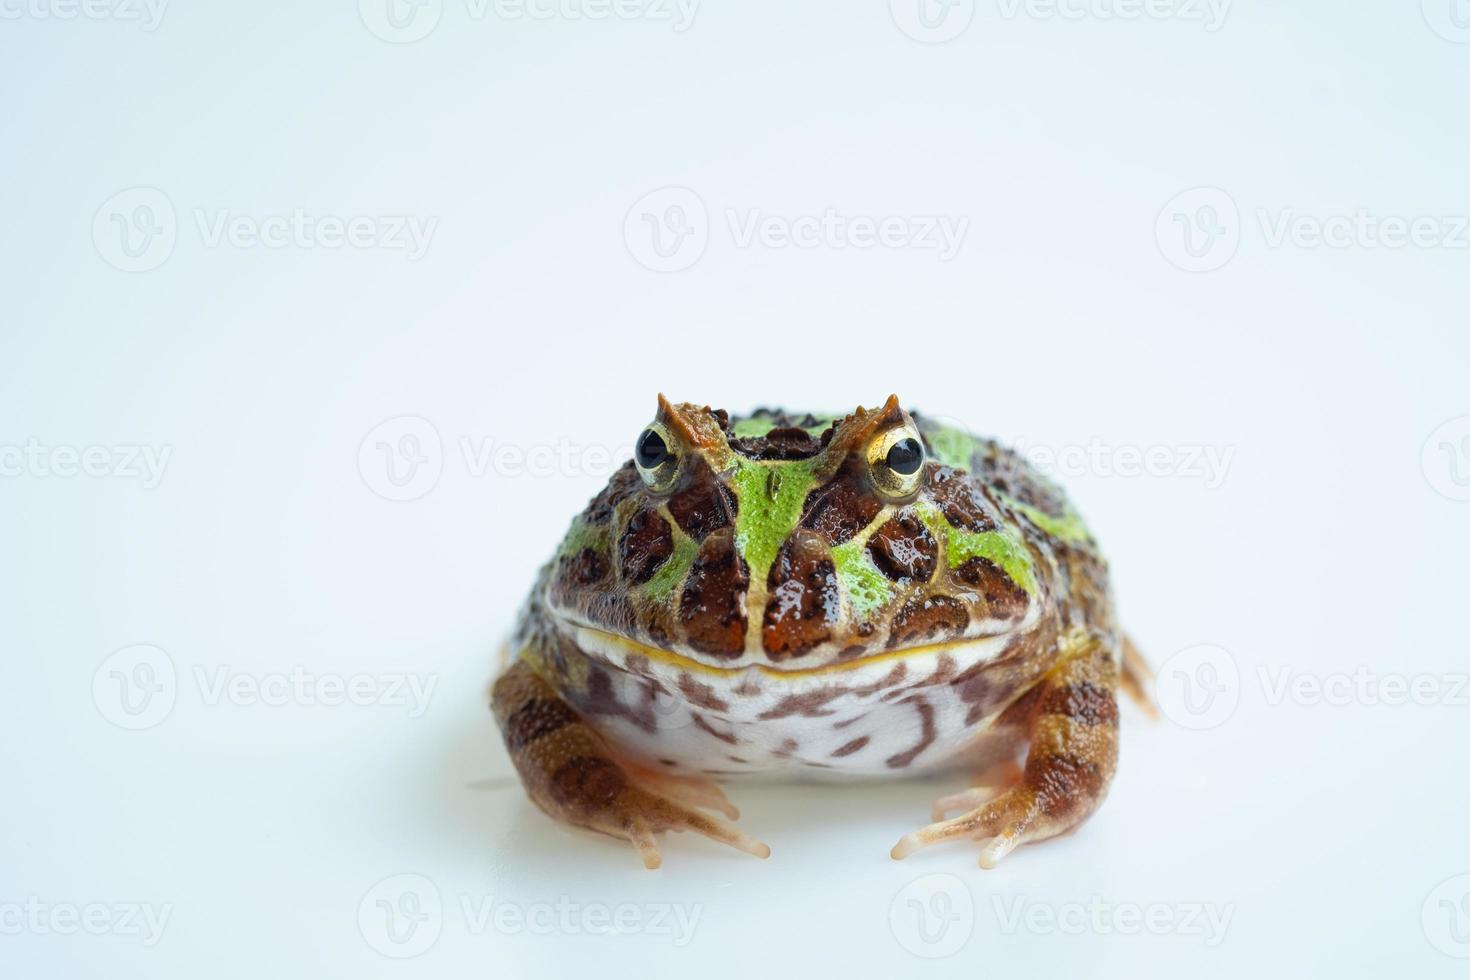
627, 654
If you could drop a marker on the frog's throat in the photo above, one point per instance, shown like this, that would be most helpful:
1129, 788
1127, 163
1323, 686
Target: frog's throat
618, 649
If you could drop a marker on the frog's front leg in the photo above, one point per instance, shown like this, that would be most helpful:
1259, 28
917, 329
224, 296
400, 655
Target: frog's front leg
1073, 732
570, 773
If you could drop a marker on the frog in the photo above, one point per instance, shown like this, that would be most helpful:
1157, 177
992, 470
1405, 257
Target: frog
872, 595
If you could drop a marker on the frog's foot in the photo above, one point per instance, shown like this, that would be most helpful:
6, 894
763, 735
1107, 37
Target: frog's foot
1014, 818
689, 790
1073, 730
570, 773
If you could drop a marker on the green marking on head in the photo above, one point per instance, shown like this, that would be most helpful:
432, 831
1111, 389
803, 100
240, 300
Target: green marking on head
1068, 527
1003, 547
671, 573
753, 428
583, 535
1000, 548
759, 425
952, 447
867, 588
770, 499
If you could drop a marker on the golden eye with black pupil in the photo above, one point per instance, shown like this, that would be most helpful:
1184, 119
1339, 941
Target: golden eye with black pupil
896, 461
656, 457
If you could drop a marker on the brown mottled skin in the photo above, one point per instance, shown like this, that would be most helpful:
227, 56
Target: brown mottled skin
782, 580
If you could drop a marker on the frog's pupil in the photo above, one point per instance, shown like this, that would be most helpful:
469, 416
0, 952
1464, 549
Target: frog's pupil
905, 457
652, 450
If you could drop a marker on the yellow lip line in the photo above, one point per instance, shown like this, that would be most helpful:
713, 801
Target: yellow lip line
679, 660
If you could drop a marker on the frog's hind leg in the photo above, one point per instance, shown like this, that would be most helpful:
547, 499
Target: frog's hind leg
1072, 723
569, 772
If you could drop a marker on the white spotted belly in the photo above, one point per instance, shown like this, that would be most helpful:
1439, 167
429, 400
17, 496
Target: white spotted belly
907, 712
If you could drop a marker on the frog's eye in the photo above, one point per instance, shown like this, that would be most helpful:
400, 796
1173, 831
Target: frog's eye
896, 461
656, 457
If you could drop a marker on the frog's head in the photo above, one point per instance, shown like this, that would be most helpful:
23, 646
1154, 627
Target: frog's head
792, 542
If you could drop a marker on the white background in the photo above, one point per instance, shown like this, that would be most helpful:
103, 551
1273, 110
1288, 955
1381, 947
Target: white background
1327, 836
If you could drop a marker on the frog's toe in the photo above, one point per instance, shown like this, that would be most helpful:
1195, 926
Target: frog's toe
1005, 773
689, 790
648, 813
1005, 822
964, 800
645, 843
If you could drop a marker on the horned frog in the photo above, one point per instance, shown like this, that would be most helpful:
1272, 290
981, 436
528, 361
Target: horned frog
871, 595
